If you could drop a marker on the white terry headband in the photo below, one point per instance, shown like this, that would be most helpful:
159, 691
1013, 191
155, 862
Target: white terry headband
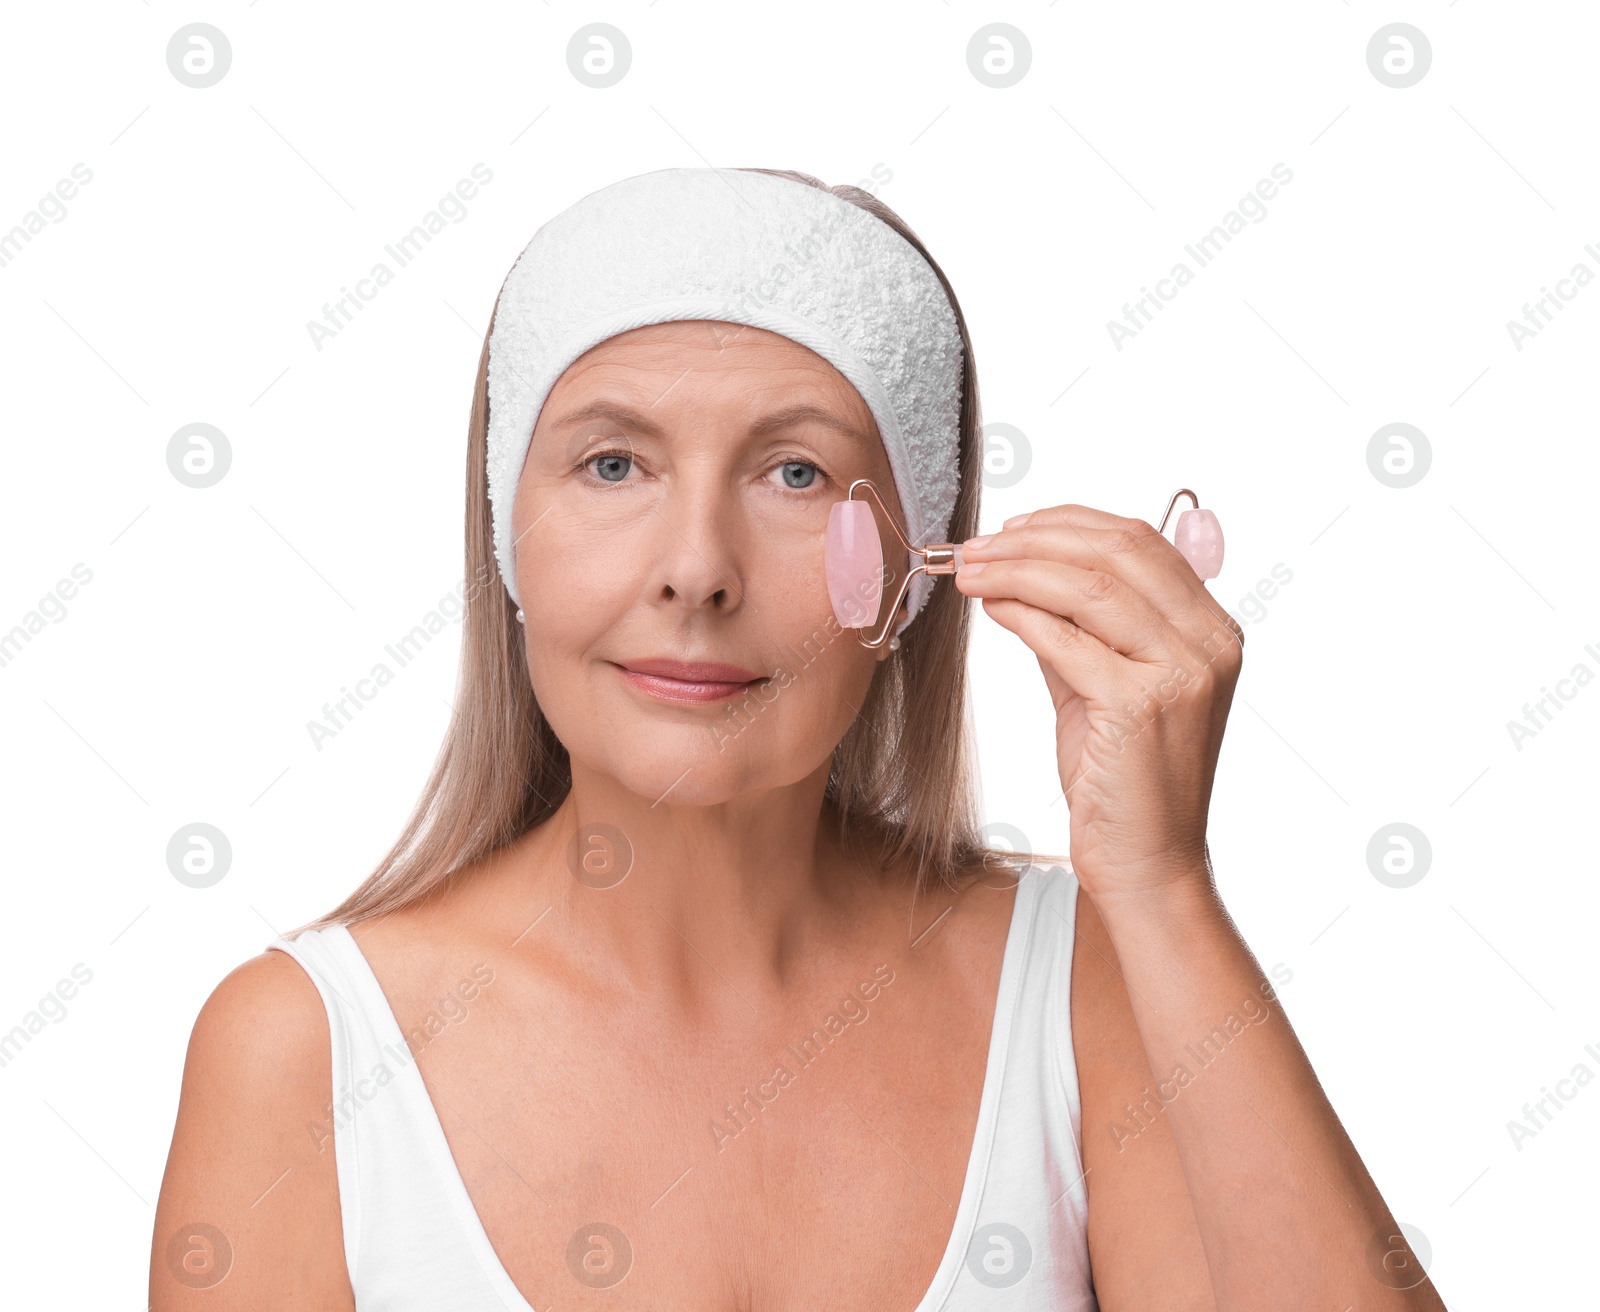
747, 248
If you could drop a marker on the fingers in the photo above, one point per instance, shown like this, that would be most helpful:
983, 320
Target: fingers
1130, 551
1114, 613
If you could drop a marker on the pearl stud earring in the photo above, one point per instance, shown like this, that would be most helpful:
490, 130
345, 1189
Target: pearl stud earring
519, 615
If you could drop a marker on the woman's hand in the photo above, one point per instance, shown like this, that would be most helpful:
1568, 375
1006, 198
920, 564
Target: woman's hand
1266, 1164
1141, 663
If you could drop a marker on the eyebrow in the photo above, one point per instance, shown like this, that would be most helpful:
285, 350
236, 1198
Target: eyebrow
778, 420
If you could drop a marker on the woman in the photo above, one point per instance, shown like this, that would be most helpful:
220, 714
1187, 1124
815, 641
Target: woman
690, 983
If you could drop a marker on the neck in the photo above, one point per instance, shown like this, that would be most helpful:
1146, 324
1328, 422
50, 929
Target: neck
712, 904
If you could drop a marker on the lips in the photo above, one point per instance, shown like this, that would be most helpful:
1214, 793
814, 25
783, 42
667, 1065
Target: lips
687, 681
692, 671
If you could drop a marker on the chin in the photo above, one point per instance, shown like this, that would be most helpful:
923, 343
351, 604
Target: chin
701, 778
689, 766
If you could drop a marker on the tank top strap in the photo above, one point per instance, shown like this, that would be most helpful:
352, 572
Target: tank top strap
1030, 1247
347, 1032
1055, 936
1069, 1197
412, 1236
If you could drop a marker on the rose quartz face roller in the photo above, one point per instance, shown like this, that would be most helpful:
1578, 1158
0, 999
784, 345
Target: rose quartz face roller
853, 556
1198, 536
853, 559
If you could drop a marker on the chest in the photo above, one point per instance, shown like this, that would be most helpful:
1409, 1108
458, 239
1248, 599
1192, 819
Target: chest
813, 1158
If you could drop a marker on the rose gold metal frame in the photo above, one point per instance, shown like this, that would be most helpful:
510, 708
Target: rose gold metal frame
937, 558
1181, 492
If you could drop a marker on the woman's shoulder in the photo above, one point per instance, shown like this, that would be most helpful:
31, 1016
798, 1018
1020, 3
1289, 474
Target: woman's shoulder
260, 1050
257, 1074
970, 913
265, 1010
1053, 880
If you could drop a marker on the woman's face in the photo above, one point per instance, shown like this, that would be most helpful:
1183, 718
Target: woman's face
673, 507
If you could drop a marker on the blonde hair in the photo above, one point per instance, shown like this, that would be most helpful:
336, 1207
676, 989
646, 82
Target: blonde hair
903, 778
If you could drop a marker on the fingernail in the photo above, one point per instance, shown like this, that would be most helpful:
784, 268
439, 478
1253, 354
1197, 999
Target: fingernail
971, 567
1015, 520
977, 542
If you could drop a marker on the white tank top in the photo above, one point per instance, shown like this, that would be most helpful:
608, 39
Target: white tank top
413, 1241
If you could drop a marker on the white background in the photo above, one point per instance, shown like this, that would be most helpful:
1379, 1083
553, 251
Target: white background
1378, 682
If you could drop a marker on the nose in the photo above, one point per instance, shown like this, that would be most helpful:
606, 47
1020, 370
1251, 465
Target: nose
696, 532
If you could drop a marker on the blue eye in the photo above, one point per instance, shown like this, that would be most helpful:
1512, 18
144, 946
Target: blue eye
799, 474
611, 466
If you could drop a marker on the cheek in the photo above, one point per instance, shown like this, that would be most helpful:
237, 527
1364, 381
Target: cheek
826, 662
826, 674
569, 602
578, 563
786, 730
